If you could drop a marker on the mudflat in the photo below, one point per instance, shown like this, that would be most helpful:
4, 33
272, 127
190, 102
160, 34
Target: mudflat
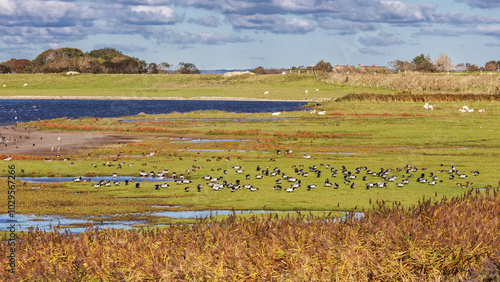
30, 141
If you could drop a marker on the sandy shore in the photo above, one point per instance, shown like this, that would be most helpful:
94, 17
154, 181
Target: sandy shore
201, 98
30, 141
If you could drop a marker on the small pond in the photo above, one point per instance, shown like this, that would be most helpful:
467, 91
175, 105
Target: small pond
24, 222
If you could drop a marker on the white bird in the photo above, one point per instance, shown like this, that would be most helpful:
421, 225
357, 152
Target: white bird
4, 86
322, 113
431, 108
470, 110
317, 90
26, 84
307, 92
266, 93
426, 106
481, 111
276, 113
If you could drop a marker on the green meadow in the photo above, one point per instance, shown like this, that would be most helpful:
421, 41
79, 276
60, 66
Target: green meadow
280, 87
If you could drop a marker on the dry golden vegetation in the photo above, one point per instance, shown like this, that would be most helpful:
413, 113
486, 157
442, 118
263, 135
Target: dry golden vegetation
421, 97
453, 239
413, 82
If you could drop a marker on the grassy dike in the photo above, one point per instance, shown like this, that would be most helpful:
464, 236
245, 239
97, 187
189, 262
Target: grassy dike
280, 87
416, 232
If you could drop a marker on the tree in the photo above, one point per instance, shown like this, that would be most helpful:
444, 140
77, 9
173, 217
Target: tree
60, 60
399, 65
153, 68
471, 67
460, 67
187, 68
492, 66
164, 66
71, 52
443, 63
424, 63
419, 59
323, 66
105, 53
4, 68
17, 66
259, 70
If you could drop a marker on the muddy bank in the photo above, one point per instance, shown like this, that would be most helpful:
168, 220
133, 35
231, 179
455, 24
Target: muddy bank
30, 141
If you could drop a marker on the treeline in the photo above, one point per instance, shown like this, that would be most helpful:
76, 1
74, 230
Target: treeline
99, 61
442, 63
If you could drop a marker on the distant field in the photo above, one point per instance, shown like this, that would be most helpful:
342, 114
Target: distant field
280, 87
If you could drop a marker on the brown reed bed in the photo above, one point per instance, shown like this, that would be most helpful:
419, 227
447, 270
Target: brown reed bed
415, 82
453, 239
420, 97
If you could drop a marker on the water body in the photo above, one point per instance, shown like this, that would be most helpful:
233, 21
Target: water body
24, 222
19, 110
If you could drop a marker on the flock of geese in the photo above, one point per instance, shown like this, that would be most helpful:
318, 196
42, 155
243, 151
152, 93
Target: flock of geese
292, 180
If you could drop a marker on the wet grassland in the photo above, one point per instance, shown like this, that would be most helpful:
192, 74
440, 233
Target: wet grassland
352, 138
434, 215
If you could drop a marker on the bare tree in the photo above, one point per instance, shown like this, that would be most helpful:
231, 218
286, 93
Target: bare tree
443, 63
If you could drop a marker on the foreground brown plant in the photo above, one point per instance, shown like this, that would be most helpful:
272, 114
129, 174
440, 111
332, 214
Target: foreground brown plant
453, 239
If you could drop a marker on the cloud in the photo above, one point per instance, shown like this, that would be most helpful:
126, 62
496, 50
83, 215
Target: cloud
45, 14
372, 52
493, 30
346, 27
484, 4
30, 35
19, 51
144, 2
383, 39
150, 15
28, 22
176, 36
272, 23
210, 21
439, 32
491, 44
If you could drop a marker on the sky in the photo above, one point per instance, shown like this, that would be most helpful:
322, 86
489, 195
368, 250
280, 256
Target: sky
243, 34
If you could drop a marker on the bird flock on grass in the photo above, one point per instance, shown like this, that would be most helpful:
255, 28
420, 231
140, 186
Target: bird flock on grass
302, 177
